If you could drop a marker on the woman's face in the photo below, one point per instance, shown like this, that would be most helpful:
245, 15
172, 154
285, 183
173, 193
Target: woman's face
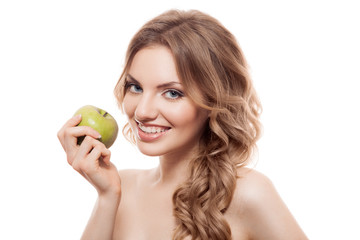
162, 117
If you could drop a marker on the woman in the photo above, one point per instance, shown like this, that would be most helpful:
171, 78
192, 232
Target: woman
189, 99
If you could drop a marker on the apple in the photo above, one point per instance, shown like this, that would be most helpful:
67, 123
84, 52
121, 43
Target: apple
101, 121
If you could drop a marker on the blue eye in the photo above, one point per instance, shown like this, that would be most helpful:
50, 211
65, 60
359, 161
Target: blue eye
173, 94
134, 88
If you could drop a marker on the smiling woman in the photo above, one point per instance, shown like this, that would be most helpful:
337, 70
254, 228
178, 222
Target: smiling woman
189, 99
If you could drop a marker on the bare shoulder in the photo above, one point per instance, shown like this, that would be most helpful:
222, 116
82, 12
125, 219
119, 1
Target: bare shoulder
261, 209
253, 187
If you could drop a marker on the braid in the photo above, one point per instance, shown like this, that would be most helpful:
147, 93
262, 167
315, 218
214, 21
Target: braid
199, 204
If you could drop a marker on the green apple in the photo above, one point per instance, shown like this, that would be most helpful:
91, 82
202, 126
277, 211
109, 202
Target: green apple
101, 121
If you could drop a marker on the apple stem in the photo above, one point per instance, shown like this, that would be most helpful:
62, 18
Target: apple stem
105, 114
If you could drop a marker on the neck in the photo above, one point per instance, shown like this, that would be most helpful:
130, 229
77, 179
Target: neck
173, 169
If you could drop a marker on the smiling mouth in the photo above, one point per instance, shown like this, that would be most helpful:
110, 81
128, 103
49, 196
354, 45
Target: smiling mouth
151, 129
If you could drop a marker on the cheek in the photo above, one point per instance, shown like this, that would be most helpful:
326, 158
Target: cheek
128, 106
184, 115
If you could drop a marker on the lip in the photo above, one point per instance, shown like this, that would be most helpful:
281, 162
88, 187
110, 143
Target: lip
150, 137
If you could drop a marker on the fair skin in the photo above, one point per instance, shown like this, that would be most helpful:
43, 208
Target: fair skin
167, 124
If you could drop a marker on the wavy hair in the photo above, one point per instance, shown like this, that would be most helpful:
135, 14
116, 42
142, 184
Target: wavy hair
215, 76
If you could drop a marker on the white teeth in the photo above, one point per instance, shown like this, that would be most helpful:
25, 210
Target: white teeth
151, 129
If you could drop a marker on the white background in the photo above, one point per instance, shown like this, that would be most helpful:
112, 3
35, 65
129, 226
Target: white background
56, 56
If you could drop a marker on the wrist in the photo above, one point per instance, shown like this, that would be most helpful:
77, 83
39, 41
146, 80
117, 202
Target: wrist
113, 195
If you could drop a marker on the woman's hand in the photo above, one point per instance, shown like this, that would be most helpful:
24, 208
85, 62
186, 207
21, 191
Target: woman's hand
91, 159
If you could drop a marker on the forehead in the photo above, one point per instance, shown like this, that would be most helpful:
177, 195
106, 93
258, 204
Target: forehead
154, 65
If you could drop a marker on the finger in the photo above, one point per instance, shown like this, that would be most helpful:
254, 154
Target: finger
100, 153
73, 134
86, 147
72, 122
106, 155
71, 143
78, 153
82, 131
88, 156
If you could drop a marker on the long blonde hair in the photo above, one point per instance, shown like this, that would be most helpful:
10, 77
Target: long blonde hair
215, 76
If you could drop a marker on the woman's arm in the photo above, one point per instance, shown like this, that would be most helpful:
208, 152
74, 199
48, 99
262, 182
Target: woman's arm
92, 160
102, 220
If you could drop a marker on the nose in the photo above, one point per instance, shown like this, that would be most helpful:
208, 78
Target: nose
146, 109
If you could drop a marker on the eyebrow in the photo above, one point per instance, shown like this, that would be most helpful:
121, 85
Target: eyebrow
163, 85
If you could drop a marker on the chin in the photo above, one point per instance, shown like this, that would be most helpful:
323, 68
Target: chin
150, 150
